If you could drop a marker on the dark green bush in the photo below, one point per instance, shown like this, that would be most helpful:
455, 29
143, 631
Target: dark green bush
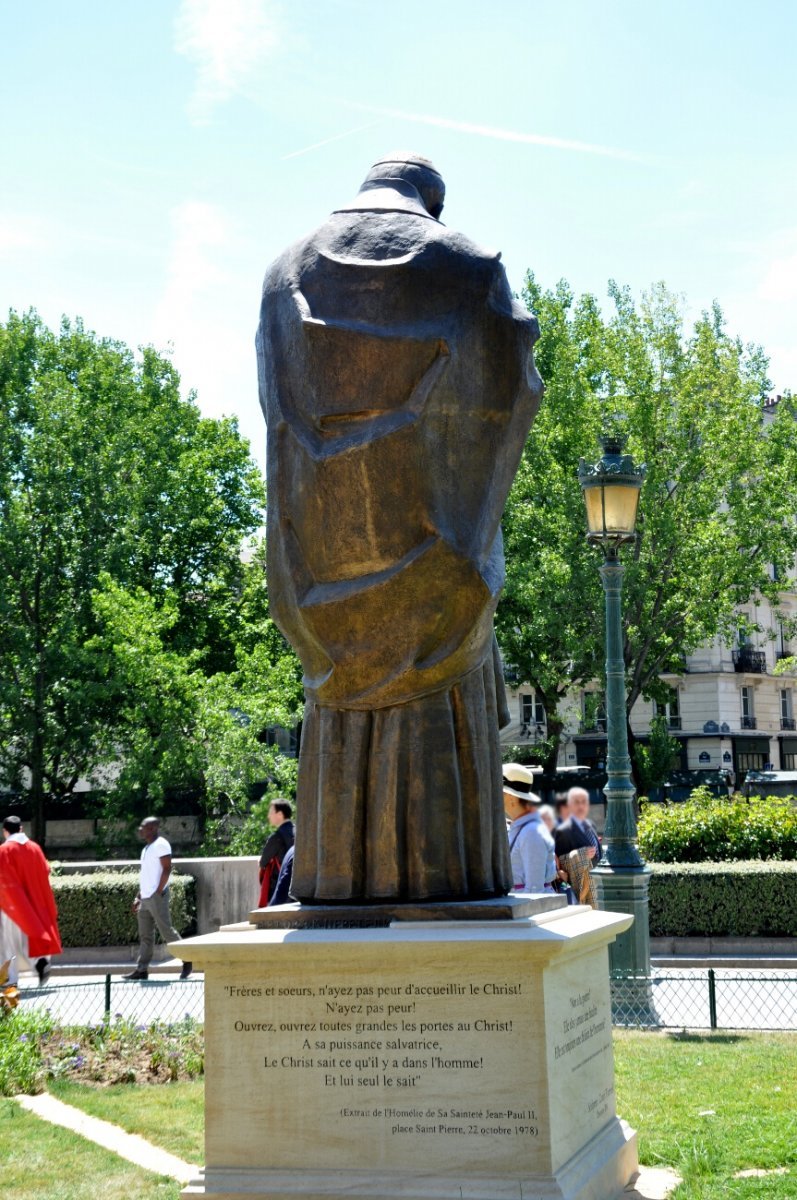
95, 909
731, 899
707, 828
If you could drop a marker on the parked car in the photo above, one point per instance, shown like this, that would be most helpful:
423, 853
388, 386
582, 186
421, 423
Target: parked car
771, 783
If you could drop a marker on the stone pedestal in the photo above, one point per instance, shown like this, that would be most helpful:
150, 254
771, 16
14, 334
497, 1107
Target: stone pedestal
450, 1060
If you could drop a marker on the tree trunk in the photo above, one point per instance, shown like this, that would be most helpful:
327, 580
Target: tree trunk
555, 726
38, 797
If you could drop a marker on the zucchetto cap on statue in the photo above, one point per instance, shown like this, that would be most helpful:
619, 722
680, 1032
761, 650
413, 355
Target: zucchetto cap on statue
519, 782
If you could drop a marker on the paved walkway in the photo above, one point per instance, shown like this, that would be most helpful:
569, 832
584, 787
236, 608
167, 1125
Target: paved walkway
652, 1183
127, 1145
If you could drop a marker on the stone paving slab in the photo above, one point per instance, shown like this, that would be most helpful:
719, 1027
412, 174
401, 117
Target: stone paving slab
652, 1183
129, 1146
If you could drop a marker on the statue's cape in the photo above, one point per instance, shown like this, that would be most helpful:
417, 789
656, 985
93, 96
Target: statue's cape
398, 384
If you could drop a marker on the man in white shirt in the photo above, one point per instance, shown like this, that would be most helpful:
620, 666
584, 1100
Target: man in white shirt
530, 844
151, 905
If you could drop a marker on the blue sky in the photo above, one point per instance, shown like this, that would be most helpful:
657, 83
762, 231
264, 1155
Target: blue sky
156, 156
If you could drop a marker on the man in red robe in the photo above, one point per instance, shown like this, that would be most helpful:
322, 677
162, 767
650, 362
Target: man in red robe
28, 914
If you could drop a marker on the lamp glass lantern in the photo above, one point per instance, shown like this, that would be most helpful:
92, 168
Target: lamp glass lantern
611, 494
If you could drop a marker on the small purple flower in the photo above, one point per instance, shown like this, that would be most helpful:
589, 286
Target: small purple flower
79, 1061
23, 1037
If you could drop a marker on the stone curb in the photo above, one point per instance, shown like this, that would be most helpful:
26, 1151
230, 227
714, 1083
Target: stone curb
129, 1146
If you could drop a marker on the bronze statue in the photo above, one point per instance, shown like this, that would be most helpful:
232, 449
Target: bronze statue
398, 383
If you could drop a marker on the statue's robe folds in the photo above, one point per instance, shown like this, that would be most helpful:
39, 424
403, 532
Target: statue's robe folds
398, 383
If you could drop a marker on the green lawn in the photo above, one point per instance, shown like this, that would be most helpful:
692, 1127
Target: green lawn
171, 1115
40, 1161
710, 1105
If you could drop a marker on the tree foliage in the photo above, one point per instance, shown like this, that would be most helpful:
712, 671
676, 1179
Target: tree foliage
106, 474
178, 728
718, 506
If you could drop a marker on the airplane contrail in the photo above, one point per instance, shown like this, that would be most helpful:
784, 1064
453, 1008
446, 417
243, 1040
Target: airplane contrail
506, 135
335, 138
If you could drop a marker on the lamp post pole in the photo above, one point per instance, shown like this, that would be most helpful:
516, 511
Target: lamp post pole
622, 875
611, 491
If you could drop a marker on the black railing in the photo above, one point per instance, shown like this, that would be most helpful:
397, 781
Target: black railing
788, 723
748, 723
781, 654
706, 999
749, 661
673, 722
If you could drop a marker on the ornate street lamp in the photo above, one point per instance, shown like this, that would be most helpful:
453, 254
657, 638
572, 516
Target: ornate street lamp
611, 494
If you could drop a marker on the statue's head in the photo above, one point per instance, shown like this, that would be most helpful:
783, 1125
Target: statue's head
418, 172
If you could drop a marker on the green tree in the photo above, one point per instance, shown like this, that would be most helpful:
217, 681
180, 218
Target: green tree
177, 728
104, 470
718, 507
656, 759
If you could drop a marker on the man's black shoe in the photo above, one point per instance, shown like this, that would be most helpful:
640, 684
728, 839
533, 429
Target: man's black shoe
187, 969
43, 970
137, 975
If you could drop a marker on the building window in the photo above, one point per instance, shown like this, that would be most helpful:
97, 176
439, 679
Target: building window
782, 642
786, 710
670, 709
748, 714
532, 712
594, 710
748, 760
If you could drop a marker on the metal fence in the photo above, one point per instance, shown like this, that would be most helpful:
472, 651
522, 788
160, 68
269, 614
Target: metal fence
91, 1001
672, 999
706, 999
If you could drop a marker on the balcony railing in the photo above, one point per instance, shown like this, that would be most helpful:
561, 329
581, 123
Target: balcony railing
788, 723
748, 723
752, 662
596, 725
781, 654
673, 722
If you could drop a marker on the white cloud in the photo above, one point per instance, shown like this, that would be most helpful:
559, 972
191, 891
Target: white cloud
198, 229
764, 307
226, 40
779, 283
207, 312
19, 233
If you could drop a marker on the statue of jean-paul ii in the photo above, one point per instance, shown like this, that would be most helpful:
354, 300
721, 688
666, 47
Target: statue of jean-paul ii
398, 384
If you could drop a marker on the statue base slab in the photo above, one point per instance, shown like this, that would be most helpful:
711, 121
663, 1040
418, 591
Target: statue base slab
336, 916
437, 1060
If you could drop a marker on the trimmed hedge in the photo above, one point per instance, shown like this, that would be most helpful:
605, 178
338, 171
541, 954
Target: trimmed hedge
706, 828
731, 899
95, 909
